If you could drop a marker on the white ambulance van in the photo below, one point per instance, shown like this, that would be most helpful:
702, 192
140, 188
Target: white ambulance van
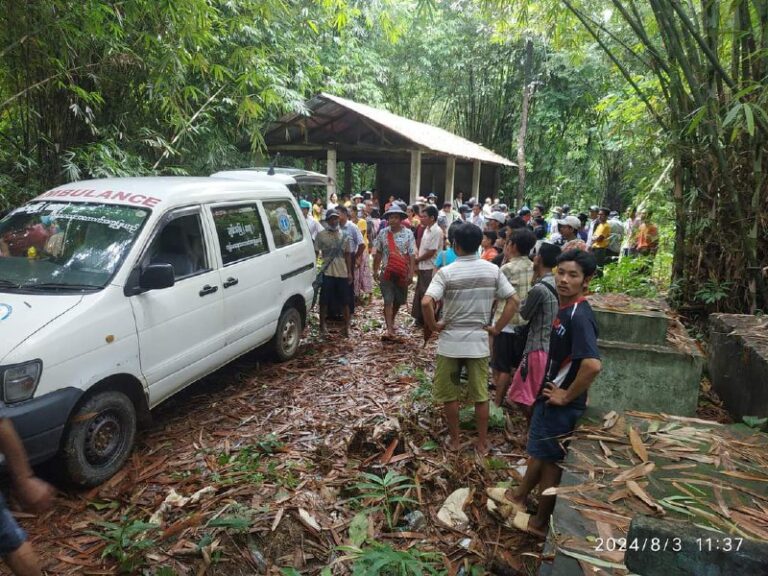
117, 293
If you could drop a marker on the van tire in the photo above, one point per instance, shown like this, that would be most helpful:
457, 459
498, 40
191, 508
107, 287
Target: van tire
287, 337
106, 417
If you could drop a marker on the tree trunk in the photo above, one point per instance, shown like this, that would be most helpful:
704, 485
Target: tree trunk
527, 86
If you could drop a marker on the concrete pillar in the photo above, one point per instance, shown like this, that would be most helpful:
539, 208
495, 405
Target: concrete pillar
331, 173
415, 174
450, 176
476, 181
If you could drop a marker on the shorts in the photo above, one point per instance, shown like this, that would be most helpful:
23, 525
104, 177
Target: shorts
528, 378
12, 536
505, 358
393, 294
550, 425
335, 291
448, 387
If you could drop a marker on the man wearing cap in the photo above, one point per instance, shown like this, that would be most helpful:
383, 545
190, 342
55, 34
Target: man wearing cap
495, 221
314, 225
337, 252
467, 288
568, 228
432, 198
431, 243
396, 258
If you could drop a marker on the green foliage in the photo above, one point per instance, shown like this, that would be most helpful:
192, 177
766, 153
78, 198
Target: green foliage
126, 542
386, 492
384, 560
713, 292
629, 276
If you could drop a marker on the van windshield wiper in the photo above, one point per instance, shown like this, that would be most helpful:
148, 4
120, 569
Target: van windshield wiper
8, 284
60, 286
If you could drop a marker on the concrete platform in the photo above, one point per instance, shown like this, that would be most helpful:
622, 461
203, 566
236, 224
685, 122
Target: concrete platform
695, 487
650, 364
738, 363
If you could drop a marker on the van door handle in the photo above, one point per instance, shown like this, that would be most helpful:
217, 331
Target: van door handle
230, 282
208, 289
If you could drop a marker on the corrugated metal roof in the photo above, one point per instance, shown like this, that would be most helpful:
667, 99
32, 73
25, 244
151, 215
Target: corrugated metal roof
423, 136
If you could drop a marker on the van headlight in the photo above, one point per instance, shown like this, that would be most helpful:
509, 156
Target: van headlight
20, 381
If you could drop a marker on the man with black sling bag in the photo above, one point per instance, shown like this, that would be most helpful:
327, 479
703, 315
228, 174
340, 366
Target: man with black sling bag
335, 276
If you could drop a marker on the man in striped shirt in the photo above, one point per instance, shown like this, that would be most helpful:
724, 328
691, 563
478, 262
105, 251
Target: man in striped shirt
467, 288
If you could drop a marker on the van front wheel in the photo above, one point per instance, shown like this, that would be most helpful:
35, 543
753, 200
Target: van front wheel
285, 344
99, 438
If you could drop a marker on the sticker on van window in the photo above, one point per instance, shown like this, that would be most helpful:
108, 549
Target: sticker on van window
284, 223
5, 311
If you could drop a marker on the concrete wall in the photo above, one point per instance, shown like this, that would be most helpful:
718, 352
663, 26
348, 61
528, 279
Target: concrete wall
738, 363
646, 378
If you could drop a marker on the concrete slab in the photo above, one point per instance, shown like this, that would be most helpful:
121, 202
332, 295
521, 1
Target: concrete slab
647, 378
633, 326
700, 475
738, 363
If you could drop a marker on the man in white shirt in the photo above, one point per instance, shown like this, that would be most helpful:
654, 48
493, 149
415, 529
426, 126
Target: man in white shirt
431, 244
476, 217
467, 288
314, 225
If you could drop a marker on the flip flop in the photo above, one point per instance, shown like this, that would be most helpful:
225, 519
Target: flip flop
521, 521
498, 495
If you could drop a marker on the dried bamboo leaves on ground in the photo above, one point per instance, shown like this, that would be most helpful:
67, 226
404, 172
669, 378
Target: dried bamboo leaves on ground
688, 469
331, 459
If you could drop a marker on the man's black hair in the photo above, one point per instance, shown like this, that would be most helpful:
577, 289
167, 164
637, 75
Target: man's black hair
375, 213
468, 237
342, 209
491, 235
430, 211
416, 209
452, 230
548, 254
585, 260
515, 223
502, 233
523, 239
606, 210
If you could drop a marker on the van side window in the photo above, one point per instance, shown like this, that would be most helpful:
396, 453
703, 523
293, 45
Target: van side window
181, 244
284, 223
240, 232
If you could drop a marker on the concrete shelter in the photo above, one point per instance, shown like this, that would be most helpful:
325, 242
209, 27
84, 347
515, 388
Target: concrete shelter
412, 158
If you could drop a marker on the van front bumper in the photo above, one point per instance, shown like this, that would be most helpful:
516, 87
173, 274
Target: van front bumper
40, 421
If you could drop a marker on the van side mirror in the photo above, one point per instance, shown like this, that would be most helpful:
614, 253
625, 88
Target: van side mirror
156, 277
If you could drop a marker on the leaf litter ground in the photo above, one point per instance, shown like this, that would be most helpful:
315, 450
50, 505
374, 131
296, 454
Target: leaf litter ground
255, 469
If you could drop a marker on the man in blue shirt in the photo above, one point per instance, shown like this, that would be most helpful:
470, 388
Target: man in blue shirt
572, 366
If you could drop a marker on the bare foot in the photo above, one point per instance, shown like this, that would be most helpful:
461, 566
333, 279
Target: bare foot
452, 445
481, 449
517, 500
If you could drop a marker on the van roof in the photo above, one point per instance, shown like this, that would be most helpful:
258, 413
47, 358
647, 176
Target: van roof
164, 191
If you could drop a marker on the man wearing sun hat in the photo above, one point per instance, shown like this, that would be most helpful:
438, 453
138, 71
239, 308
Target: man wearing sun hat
396, 258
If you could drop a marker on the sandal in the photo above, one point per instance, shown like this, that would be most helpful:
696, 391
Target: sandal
521, 521
499, 496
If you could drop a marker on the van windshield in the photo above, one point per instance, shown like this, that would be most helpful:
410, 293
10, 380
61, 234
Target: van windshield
65, 246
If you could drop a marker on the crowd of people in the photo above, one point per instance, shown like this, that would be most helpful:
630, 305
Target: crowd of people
505, 293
